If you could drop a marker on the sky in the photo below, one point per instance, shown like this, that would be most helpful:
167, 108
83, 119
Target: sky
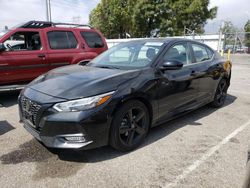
237, 11
14, 12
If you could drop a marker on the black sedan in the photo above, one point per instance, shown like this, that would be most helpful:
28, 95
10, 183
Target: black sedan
117, 97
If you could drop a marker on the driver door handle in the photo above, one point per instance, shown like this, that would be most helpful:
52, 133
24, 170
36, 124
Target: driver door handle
41, 55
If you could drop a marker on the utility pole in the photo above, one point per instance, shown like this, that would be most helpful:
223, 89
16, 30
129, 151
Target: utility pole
184, 32
235, 42
48, 11
219, 48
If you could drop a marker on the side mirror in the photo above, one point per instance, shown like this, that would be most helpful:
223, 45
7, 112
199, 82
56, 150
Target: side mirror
2, 47
171, 65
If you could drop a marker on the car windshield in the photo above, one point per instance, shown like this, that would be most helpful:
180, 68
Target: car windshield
2, 33
129, 55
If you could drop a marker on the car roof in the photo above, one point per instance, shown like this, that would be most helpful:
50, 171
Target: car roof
44, 24
163, 40
167, 40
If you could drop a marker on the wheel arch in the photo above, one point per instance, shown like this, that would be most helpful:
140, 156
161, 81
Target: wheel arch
83, 57
123, 102
84, 62
144, 100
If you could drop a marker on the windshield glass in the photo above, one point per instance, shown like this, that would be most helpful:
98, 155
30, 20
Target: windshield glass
2, 33
128, 55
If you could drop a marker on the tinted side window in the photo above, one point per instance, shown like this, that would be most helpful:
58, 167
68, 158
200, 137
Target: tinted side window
72, 40
23, 41
210, 53
62, 40
200, 53
92, 39
178, 52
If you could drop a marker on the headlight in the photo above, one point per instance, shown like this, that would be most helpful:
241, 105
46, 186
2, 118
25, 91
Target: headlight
83, 104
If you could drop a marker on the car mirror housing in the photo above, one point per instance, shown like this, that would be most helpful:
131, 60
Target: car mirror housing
171, 65
2, 47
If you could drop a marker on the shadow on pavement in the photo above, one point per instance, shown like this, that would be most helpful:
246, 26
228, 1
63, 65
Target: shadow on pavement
5, 127
48, 162
8, 99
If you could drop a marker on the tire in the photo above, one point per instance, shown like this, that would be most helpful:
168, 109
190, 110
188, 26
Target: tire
220, 94
130, 126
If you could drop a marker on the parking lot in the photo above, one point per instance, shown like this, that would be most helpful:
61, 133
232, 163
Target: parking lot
206, 148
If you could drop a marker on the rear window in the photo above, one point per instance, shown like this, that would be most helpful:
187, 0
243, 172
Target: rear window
200, 52
93, 39
62, 40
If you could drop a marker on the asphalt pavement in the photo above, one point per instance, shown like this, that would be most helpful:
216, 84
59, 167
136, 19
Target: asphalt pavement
206, 148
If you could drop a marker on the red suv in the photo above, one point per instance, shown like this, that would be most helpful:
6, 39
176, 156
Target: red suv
36, 47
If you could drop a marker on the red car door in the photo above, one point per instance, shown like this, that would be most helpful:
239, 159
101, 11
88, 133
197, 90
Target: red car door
63, 47
24, 58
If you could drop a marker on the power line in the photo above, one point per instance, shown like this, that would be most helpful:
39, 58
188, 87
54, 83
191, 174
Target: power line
62, 3
67, 4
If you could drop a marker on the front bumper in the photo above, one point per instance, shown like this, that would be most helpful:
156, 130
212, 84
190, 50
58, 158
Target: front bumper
58, 141
56, 129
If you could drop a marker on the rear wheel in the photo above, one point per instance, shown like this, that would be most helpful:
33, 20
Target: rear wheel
220, 94
130, 126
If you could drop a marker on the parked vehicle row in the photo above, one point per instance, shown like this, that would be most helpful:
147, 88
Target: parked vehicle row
36, 47
118, 96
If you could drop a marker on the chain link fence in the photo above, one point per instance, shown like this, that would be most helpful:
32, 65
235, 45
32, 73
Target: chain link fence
238, 42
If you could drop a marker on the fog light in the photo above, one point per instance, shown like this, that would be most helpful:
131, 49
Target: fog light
75, 138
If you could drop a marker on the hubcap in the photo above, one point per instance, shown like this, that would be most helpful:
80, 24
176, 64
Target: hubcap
132, 127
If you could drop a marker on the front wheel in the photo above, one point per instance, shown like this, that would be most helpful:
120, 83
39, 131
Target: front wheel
220, 94
130, 126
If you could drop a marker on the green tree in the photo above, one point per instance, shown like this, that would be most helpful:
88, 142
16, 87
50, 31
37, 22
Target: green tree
139, 18
230, 32
247, 35
112, 17
191, 14
150, 15
228, 28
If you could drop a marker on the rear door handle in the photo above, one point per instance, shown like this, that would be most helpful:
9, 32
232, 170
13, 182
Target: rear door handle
41, 55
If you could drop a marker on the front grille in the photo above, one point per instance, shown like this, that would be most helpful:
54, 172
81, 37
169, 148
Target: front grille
29, 109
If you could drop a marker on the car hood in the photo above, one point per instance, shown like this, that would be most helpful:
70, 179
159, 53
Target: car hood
78, 81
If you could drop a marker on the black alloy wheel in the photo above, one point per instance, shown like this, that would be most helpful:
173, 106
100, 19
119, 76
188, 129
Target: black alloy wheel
221, 94
130, 126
